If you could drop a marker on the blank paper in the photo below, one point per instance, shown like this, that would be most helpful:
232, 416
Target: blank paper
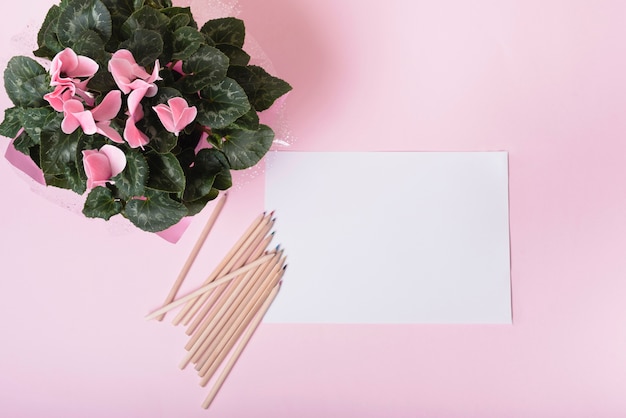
391, 237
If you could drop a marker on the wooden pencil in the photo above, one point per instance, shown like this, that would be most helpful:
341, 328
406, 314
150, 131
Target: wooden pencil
222, 345
198, 327
229, 320
240, 347
209, 305
194, 252
202, 290
233, 262
217, 271
204, 337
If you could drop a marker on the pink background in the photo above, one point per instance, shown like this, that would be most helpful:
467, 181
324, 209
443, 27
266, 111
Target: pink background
543, 80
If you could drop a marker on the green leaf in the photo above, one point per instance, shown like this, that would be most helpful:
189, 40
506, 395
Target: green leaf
195, 207
262, 89
90, 45
227, 30
69, 179
146, 46
208, 65
145, 18
58, 151
222, 104
236, 55
180, 17
47, 40
158, 4
249, 121
11, 124
246, 148
132, 181
100, 203
208, 163
186, 42
156, 213
39, 119
102, 82
24, 144
81, 16
26, 82
166, 174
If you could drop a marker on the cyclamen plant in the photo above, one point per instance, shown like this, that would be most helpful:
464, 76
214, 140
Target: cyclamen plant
139, 108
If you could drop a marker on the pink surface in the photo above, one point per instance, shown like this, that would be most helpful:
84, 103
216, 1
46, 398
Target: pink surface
542, 80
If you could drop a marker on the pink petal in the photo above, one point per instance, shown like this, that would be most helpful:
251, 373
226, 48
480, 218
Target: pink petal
136, 96
97, 169
76, 115
103, 128
165, 116
155, 73
109, 107
188, 116
86, 68
117, 158
58, 97
134, 136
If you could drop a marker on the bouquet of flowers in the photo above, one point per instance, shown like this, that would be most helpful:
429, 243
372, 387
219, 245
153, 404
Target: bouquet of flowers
139, 108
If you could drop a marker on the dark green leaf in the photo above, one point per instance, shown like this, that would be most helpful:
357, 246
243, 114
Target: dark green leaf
186, 42
208, 65
195, 207
175, 14
24, 144
262, 89
227, 30
156, 213
178, 21
47, 40
158, 4
146, 46
26, 82
36, 120
69, 179
100, 203
200, 178
249, 121
246, 148
90, 45
222, 104
132, 181
166, 174
145, 18
11, 124
236, 55
102, 82
58, 151
80, 16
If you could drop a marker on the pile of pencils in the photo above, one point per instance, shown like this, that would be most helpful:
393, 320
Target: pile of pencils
222, 315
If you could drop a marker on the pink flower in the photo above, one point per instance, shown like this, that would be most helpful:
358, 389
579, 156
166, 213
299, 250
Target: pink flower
58, 97
100, 165
129, 76
75, 115
68, 68
132, 134
176, 114
93, 121
70, 74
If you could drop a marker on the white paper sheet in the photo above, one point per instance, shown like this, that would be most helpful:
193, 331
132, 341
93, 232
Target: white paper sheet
391, 237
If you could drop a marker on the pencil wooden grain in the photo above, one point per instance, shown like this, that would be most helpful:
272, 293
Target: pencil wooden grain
211, 308
230, 318
218, 270
245, 339
233, 263
194, 252
207, 336
202, 290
